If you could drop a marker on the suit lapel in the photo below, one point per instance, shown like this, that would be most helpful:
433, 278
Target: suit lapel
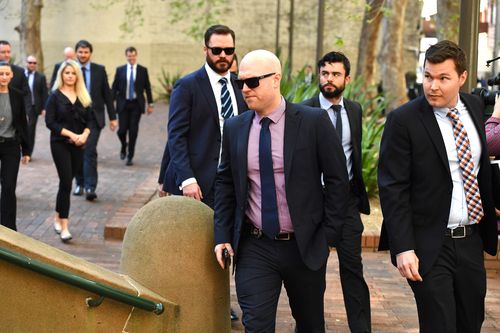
242, 147
292, 124
352, 115
206, 89
432, 127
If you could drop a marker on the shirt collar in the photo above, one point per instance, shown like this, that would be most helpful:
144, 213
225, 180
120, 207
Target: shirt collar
442, 112
215, 77
277, 114
87, 65
326, 104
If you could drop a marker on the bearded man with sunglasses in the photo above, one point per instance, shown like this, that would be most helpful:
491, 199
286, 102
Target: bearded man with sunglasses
272, 213
199, 105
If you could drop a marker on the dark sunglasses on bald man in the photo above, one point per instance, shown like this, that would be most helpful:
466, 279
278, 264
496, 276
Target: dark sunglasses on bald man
218, 50
251, 82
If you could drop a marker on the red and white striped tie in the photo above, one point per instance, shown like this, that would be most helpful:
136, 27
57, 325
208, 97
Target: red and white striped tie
472, 195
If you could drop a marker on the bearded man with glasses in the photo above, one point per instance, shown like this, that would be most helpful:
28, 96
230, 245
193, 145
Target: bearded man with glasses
272, 215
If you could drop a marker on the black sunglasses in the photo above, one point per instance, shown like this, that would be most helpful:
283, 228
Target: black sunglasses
251, 82
218, 50
32, 62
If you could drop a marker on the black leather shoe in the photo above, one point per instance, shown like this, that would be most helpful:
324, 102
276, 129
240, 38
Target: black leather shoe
122, 155
78, 190
129, 162
90, 194
234, 317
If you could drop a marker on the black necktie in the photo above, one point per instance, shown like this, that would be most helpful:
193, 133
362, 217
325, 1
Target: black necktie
269, 207
338, 120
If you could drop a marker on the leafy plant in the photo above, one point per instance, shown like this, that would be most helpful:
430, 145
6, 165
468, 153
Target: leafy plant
295, 89
167, 82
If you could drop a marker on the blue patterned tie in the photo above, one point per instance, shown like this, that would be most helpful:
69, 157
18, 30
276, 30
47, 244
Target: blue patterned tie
225, 98
131, 92
269, 207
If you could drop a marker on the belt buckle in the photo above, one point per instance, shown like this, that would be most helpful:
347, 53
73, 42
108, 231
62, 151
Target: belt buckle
461, 234
282, 237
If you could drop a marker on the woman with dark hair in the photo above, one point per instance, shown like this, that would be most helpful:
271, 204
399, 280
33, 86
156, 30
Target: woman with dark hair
68, 118
13, 141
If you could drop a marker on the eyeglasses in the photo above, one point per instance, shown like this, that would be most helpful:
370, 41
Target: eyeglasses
218, 50
251, 82
32, 62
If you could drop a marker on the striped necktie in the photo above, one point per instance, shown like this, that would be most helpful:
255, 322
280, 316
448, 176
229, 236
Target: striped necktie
471, 187
225, 98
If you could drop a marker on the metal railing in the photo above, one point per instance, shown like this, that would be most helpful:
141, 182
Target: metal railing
80, 282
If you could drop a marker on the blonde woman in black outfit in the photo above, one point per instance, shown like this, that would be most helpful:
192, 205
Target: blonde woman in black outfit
13, 141
68, 118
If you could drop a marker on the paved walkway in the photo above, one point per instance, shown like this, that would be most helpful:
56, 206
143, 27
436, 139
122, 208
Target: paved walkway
393, 308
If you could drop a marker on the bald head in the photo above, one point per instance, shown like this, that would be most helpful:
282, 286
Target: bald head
69, 53
265, 68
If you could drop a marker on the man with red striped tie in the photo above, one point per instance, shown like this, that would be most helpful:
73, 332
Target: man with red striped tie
436, 196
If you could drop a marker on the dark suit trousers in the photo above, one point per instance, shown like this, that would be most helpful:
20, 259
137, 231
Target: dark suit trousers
10, 156
88, 178
354, 288
128, 121
32, 120
451, 297
262, 266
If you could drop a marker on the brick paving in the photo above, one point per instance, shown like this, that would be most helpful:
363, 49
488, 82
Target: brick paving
122, 190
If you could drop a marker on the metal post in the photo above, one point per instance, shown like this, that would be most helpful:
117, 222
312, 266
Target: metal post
468, 39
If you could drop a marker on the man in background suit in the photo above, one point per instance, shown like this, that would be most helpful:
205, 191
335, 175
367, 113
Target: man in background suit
196, 117
334, 69
19, 80
272, 213
69, 53
97, 84
130, 83
436, 196
38, 88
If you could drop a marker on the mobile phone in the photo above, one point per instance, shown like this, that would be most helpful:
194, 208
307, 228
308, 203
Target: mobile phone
227, 258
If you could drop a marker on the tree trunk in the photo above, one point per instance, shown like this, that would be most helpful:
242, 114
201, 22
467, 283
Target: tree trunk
411, 35
290, 35
368, 41
448, 19
391, 55
29, 31
321, 29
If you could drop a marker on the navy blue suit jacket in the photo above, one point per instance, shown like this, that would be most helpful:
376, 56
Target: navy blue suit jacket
311, 148
141, 86
194, 135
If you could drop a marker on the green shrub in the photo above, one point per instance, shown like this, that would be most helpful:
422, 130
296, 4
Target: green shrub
167, 82
294, 89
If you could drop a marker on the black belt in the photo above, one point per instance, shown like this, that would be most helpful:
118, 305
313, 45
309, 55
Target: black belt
2, 139
461, 231
257, 233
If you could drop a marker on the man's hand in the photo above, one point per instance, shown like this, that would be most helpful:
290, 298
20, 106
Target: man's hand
113, 124
219, 248
161, 193
193, 191
408, 265
150, 109
25, 159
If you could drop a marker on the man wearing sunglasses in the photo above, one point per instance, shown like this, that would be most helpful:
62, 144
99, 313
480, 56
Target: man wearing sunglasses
334, 69
272, 213
39, 94
200, 104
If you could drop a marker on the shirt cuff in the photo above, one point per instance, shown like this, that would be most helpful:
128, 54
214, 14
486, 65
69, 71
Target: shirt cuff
409, 251
187, 182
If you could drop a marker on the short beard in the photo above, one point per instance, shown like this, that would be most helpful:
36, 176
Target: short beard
213, 65
332, 94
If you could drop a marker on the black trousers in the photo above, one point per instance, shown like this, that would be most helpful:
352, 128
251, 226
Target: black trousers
10, 156
32, 120
68, 160
262, 267
451, 297
354, 288
128, 121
